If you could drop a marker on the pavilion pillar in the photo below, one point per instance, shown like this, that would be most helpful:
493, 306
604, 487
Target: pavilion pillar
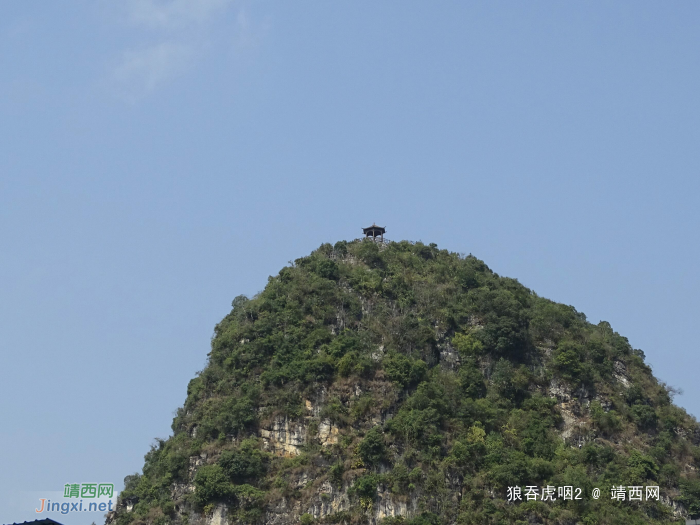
375, 231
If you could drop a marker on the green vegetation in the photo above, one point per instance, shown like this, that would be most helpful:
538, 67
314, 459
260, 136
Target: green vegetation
419, 375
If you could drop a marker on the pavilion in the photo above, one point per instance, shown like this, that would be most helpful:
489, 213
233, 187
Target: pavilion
375, 231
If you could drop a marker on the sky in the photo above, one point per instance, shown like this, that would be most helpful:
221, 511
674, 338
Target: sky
160, 157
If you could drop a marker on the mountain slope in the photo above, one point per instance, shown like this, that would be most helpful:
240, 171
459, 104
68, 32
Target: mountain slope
400, 383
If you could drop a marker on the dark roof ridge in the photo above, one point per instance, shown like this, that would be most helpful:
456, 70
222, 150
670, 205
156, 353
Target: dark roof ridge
44, 521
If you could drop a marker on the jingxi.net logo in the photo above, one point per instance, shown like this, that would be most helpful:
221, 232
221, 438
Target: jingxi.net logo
80, 497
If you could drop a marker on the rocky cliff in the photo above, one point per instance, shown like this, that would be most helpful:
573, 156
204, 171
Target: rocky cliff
399, 383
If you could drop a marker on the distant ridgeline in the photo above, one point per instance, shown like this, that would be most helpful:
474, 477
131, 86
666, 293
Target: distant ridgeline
393, 382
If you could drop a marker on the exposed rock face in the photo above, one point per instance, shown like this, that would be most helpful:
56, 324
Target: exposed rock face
218, 517
327, 433
560, 391
621, 374
285, 437
328, 501
387, 505
677, 509
449, 357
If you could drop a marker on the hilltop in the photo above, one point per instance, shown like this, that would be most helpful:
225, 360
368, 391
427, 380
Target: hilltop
397, 383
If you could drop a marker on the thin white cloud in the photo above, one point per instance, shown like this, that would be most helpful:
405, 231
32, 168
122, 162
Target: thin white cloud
244, 32
178, 31
248, 33
173, 13
141, 72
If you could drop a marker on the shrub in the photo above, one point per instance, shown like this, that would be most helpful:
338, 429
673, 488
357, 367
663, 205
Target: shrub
334, 410
569, 361
365, 489
642, 467
372, 449
607, 422
644, 416
212, 484
346, 341
248, 497
368, 252
243, 464
354, 364
467, 345
335, 474
471, 379
404, 371
327, 269
690, 495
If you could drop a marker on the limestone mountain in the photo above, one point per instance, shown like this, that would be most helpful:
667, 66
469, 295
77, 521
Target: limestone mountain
394, 382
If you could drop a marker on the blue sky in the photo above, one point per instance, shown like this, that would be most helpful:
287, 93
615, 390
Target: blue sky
159, 158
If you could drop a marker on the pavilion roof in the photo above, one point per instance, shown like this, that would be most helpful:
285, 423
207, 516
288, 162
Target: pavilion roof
373, 228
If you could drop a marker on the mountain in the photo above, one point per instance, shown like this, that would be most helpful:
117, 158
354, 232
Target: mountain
397, 383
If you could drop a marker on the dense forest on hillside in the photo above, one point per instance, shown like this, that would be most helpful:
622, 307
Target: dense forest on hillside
398, 383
